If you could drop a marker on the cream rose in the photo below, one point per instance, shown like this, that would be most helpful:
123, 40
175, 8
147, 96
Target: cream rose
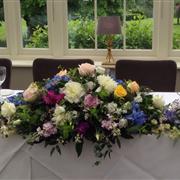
107, 83
8, 109
158, 101
73, 92
86, 69
31, 93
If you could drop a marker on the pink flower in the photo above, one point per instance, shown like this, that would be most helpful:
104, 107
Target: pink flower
91, 101
134, 86
108, 124
52, 98
31, 93
86, 69
48, 129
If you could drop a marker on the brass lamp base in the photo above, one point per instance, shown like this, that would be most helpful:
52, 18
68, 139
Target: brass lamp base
109, 56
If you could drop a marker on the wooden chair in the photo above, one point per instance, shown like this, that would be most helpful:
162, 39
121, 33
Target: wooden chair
159, 75
8, 64
46, 68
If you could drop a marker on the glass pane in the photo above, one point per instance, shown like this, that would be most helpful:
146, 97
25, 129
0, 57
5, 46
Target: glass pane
2, 26
139, 24
176, 25
81, 26
34, 23
110, 8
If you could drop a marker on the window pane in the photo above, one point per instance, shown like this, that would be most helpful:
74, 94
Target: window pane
110, 8
176, 25
81, 26
34, 23
139, 24
2, 26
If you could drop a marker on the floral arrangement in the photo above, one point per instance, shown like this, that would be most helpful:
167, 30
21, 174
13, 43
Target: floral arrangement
86, 104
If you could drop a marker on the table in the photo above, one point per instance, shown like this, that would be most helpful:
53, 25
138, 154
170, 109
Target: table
144, 157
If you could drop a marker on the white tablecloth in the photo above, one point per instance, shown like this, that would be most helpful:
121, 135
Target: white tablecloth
144, 157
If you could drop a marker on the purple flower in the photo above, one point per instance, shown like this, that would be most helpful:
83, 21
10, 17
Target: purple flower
52, 98
170, 115
91, 101
137, 116
47, 130
82, 127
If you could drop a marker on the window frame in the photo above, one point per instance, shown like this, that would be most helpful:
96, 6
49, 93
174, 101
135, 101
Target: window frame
57, 15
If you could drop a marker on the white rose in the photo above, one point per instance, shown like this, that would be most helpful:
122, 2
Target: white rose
107, 83
73, 92
90, 85
158, 101
100, 70
123, 123
112, 107
59, 115
8, 109
138, 98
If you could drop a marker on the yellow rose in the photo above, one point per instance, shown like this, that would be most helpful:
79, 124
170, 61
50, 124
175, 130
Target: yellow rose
133, 86
120, 91
62, 73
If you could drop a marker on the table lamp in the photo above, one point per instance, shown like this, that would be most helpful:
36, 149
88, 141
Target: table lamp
109, 25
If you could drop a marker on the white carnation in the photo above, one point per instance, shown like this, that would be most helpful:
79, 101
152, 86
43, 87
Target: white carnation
8, 109
100, 70
73, 92
107, 83
158, 101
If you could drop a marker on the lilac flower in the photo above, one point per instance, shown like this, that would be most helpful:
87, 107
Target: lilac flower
170, 115
82, 128
108, 124
137, 116
52, 98
91, 101
47, 130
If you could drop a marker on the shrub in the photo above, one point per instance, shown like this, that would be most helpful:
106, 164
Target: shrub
39, 39
139, 34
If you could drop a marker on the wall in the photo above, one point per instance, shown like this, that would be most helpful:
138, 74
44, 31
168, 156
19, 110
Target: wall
22, 77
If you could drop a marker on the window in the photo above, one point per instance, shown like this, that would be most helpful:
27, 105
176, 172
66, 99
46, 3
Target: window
2, 26
176, 25
67, 28
34, 23
136, 17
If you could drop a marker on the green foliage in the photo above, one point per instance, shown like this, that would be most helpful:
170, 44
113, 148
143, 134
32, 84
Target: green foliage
39, 38
139, 34
81, 33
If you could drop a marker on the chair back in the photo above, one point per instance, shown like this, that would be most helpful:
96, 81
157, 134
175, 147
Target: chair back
44, 68
8, 64
159, 75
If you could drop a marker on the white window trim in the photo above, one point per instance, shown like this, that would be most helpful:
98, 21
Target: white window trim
58, 35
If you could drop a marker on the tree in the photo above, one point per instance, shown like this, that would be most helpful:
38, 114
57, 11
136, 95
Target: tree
34, 13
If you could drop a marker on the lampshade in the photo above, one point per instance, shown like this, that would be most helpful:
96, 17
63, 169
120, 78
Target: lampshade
109, 25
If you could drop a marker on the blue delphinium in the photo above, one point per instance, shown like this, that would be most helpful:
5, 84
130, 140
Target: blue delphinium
52, 83
17, 99
137, 116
